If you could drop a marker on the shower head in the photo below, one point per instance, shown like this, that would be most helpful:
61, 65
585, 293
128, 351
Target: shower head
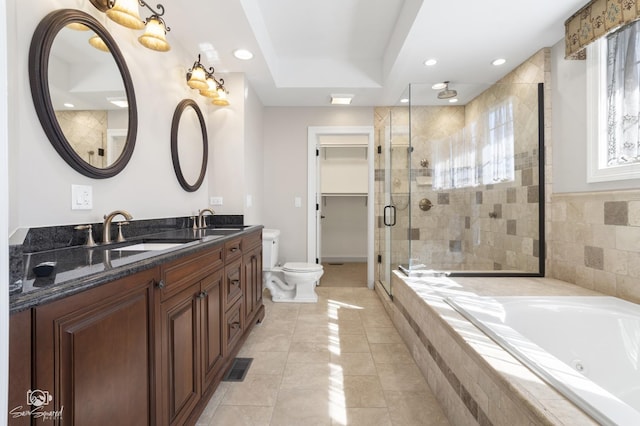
447, 93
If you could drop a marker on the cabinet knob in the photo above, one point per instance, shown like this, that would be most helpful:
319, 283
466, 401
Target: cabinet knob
235, 325
202, 295
233, 249
235, 282
161, 284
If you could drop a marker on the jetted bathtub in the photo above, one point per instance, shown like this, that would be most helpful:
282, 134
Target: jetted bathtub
588, 347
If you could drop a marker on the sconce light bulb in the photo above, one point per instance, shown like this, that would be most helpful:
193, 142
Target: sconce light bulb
154, 36
125, 13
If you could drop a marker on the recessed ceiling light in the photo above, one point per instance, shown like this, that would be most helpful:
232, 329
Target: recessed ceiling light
439, 86
119, 102
430, 62
454, 100
68, 104
341, 99
404, 100
499, 61
243, 54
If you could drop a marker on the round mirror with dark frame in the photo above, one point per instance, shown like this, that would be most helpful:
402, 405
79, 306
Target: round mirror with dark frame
83, 93
189, 145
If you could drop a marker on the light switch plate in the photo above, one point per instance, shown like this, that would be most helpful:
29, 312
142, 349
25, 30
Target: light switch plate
81, 197
215, 201
297, 201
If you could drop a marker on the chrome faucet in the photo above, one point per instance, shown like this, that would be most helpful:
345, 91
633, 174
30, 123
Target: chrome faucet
201, 221
106, 227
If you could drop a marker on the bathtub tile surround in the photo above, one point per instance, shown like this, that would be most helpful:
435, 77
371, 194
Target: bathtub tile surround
594, 241
474, 380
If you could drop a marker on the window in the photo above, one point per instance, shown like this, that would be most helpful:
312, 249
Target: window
613, 106
481, 153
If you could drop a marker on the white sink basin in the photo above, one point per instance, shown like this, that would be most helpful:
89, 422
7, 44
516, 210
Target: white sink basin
149, 246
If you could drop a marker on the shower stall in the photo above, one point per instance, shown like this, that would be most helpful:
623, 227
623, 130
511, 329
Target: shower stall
460, 187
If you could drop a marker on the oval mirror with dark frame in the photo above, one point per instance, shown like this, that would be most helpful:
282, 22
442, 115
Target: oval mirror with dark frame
83, 93
189, 145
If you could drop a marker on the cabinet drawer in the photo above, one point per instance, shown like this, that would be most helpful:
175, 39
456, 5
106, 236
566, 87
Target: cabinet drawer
183, 272
252, 240
233, 326
232, 286
233, 249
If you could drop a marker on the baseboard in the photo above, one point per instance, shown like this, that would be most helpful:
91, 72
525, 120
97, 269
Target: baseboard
344, 259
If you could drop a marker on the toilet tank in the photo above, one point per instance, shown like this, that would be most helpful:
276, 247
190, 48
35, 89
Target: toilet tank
270, 242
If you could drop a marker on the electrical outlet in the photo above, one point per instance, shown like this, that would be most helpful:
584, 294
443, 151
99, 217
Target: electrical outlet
81, 197
297, 201
215, 201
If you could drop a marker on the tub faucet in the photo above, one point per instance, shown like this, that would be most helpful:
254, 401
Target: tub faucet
201, 221
106, 227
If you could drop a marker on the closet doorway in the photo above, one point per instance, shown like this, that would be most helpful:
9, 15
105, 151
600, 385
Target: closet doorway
340, 220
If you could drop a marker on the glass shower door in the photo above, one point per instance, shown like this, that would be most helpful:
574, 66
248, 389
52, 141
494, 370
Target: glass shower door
394, 209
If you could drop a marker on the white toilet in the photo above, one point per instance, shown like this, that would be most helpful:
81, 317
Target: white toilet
291, 282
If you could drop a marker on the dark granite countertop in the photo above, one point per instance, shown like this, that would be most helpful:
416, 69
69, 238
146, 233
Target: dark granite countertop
80, 268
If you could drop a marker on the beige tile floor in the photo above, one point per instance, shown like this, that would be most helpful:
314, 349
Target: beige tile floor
344, 274
337, 362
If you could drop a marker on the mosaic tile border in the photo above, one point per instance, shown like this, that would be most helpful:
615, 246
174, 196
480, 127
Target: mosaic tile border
465, 397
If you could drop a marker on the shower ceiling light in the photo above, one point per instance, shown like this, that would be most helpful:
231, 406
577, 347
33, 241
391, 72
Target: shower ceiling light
499, 61
439, 86
430, 62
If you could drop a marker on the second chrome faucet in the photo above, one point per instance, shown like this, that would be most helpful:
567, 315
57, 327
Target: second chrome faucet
106, 227
201, 220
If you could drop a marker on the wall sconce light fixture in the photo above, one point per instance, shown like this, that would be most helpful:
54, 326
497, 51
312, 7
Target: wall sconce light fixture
125, 13
209, 86
197, 76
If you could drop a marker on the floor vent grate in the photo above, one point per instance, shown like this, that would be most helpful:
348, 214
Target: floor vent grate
238, 370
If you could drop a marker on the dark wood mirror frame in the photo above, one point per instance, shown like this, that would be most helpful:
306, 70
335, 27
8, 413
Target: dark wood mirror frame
175, 123
39, 51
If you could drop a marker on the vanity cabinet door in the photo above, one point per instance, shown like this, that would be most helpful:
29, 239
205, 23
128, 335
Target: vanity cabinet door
179, 338
252, 268
190, 346
93, 353
212, 356
19, 367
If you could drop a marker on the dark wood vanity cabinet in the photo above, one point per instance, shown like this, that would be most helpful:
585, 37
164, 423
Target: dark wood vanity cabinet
148, 349
93, 353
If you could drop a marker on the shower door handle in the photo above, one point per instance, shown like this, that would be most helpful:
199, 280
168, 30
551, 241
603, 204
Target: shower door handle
388, 209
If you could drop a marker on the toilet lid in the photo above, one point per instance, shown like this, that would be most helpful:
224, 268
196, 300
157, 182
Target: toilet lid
301, 267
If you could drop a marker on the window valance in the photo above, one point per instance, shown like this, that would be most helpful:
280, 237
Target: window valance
596, 19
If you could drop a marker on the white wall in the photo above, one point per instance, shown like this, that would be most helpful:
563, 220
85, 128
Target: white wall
254, 158
569, 127
344, 229
285, 163
41, 181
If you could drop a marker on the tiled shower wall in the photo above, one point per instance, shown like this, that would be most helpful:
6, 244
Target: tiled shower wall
87, 131
490, 227
594, 241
